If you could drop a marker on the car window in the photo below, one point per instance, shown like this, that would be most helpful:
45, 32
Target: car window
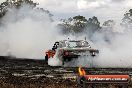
74, 44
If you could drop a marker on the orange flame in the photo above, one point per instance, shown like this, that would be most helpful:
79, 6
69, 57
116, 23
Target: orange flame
81, 71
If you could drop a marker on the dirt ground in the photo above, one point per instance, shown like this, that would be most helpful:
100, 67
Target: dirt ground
27, 73
39, 83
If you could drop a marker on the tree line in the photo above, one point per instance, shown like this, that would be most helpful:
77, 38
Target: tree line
72, 25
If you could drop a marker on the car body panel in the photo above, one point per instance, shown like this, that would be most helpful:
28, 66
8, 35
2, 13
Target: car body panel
69, 49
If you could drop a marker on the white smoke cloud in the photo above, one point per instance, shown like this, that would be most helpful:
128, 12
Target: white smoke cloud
54, 62
85, 61
27, 33
117, 53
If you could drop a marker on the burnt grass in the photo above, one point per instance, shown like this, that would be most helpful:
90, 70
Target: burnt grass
30, 73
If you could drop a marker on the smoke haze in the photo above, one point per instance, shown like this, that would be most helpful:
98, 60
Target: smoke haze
114, 52
117, 53
27, 33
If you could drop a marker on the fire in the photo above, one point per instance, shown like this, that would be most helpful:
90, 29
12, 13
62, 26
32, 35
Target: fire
81, 71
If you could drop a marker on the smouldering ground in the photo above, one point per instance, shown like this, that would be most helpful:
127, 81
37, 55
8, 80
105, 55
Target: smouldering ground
25, 73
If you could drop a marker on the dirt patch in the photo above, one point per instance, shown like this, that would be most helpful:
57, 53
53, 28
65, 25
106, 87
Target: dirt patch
27, 73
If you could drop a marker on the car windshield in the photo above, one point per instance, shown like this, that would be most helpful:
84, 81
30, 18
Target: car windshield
72, 44
77, 44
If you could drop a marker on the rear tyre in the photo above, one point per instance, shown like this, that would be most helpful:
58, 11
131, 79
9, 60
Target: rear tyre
63, 62
46, 59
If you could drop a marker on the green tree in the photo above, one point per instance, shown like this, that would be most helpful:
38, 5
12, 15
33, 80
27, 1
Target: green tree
79, 24
108, 30
127, 19
109, 24
17, 4
14, 3
93, 25
73, 25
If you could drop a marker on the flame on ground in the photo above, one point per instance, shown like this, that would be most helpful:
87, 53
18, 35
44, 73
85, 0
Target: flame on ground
81, 71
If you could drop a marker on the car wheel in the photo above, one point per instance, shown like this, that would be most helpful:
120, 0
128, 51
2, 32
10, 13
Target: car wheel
46, 59
63, 62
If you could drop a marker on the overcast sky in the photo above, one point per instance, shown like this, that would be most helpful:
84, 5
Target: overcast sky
103, 9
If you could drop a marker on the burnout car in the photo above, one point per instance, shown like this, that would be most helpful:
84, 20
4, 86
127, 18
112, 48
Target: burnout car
67, 50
